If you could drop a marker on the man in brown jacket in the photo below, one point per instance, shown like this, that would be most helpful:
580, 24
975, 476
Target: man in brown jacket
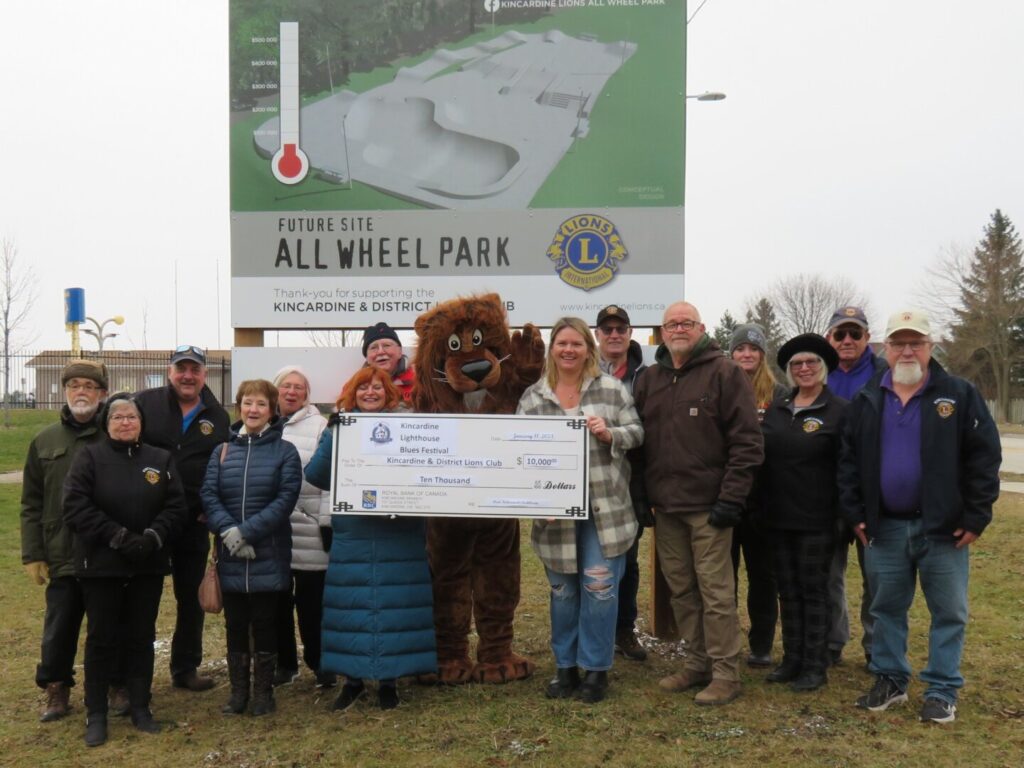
702, 447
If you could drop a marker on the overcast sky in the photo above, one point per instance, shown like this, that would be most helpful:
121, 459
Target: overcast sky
857, 140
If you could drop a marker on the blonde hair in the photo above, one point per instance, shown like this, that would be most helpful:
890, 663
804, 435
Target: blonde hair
764, 383
591, 367
287, 371
822, 370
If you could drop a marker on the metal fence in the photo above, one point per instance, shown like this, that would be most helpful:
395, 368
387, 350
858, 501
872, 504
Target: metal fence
32, 379
1015, 414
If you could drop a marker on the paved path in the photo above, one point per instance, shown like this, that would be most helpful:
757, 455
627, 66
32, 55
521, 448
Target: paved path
10, 477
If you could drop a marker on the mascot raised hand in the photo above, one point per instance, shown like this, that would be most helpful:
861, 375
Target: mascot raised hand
468, 362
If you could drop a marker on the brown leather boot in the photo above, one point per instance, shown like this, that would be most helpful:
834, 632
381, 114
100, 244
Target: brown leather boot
57, 705
682, 681
719, 692
192, 681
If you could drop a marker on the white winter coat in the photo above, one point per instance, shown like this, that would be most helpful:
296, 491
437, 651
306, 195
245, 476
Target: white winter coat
303, 430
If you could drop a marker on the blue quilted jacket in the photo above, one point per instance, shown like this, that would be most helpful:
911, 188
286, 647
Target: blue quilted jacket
378, 612
255, 487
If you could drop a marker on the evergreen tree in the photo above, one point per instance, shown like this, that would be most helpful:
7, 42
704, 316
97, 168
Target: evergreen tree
724, 329
986, 334
763, 313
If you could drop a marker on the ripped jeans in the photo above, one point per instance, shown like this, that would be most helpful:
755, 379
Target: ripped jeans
585, 605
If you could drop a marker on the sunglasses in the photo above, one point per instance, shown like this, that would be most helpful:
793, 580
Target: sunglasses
854, 333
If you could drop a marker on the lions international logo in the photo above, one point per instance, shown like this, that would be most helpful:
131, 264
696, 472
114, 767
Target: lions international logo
381, 434
369, 499
152, 475
945, 407
586, 251
206, 427
812, 425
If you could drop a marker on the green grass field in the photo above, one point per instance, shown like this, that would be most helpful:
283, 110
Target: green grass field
641, 108
511, 725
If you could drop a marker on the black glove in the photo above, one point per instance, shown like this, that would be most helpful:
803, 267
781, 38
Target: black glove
131, 545
725, 514
334, 419
326, 537
643, 513
150, 542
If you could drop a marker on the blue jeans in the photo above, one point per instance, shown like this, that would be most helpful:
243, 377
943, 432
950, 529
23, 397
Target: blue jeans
897, 555
585, 605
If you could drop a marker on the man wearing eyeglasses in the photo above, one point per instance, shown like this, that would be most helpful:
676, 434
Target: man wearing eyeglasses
849, 335
918, 475
45, 541
186, 419
622, 358
702, 447
382, 349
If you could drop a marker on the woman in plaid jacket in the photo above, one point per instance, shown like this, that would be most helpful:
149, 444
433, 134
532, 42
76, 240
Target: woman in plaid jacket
584, 560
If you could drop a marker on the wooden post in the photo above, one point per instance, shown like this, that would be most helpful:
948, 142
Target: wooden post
663, 620
248, 337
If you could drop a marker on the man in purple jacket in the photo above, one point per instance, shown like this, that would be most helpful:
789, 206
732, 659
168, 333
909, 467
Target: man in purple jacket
849, 336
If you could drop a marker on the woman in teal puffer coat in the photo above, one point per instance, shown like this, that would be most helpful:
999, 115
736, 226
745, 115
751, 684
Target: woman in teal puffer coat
378, 602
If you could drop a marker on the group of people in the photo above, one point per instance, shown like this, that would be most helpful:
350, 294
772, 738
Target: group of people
892, 453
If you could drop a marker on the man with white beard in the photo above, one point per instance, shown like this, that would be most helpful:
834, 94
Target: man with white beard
45, 541
918, 475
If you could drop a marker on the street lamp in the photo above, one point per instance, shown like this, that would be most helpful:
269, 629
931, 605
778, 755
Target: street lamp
707, 96
99, 334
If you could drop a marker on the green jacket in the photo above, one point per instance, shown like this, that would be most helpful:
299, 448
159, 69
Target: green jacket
43, 534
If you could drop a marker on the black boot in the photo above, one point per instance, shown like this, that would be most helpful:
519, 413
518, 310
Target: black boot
351, 692
138, 702
787, 671
809, 680
263, 684
593, 687
238, 674
387, 696
95, 730
564, 684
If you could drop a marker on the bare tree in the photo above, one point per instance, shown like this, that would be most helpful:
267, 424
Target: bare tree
324, 338
939, 290
17, 296
804, 303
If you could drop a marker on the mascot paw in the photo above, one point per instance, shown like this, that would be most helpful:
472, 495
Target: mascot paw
505, 671
528, 351
454, 672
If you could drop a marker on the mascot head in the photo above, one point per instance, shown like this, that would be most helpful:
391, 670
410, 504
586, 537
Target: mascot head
464, 346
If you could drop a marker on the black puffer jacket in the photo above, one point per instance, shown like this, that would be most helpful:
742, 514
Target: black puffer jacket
113, 485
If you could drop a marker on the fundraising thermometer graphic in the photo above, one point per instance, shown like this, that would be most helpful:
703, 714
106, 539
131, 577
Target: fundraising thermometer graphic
289, 164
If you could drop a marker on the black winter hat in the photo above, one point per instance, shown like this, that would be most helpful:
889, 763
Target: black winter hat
808, 342
378, 332
118, 399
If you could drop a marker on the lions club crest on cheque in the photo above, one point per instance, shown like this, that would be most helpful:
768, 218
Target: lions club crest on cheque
587, 250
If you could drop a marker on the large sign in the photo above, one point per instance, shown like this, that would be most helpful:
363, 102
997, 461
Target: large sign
460, 466
388, 156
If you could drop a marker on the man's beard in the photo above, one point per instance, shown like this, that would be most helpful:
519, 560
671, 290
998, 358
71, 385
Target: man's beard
907, 374
83, 410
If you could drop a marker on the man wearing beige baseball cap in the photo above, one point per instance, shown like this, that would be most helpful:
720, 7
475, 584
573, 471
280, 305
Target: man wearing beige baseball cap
918, 475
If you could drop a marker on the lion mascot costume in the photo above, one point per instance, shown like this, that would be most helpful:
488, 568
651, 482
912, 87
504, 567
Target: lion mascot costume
467, 362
